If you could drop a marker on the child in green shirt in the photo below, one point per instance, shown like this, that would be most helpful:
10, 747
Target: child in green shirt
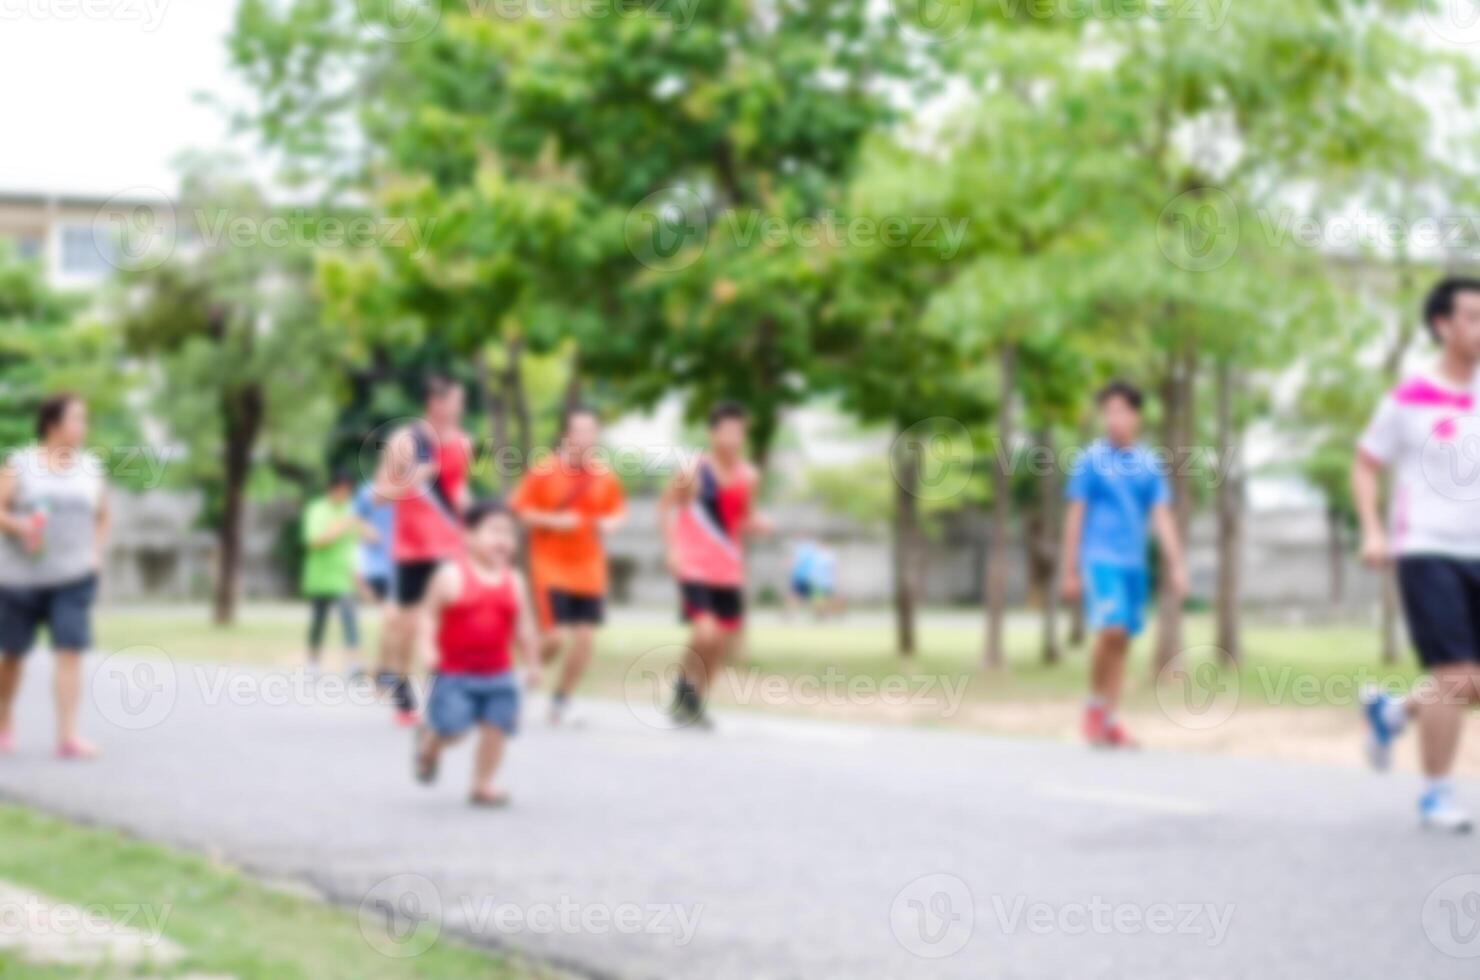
331, 531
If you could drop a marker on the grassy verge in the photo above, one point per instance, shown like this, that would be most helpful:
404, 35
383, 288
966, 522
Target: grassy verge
228, 924
1307, 666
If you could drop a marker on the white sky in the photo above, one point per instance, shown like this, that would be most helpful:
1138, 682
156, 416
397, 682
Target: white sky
100, 95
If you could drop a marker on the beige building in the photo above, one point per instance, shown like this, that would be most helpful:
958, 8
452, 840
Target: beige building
81, 239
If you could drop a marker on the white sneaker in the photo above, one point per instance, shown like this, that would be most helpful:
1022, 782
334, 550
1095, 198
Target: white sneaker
1386, 720
566, 716
1439, 811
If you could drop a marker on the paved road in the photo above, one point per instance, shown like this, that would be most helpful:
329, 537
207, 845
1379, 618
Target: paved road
773, 849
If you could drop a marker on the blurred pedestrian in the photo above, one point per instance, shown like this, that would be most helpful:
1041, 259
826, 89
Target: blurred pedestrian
53, 532
331, 535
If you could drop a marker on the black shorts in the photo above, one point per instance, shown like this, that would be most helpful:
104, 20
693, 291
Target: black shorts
570, 609
379, 586
66, 611
410, 579
1441, 602
726, 604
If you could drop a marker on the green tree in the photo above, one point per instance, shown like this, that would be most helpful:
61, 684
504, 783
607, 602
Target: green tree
240, 354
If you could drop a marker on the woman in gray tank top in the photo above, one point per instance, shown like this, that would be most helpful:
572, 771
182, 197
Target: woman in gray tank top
53, 525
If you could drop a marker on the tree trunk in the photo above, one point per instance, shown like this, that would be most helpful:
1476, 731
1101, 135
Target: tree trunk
516, 398
1177, 436
906, 538
498, 419
1391, 641
1227, 633
573, 398
997, 553
1335, 561
241, 417
1046, 548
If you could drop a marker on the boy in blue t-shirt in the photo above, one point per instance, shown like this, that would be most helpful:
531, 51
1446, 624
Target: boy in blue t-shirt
1116, 491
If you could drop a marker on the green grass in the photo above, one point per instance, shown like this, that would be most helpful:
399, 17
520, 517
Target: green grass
1305, 666
227, 923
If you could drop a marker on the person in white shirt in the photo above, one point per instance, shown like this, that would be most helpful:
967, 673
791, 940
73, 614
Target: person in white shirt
1426, 436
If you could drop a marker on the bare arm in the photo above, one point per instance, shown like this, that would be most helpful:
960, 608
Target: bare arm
337, 529
678, 493
9, 523
1071, 586
443, 590
102, 524
550, 520
1165, 526
528, 639
399, 473
1366, 496
613, 521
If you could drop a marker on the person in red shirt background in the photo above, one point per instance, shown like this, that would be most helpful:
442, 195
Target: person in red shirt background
423, 474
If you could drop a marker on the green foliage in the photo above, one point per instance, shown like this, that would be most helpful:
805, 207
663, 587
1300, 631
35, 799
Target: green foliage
48, 343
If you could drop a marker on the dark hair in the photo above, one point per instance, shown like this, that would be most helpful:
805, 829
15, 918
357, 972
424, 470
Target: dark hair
50, 412
341, 478
1439, 303
571, 413
481, 510
437, 386
726, 411
1124, 390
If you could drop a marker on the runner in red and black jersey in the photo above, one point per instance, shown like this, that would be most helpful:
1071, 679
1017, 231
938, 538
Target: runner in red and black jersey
706, 513
423, 473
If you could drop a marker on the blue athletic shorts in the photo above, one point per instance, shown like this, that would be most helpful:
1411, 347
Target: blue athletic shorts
457, 702
1115, 597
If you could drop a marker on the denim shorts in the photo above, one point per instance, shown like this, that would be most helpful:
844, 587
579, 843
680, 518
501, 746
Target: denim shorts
457, 702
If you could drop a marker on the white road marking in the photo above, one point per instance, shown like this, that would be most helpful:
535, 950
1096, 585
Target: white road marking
1105, 796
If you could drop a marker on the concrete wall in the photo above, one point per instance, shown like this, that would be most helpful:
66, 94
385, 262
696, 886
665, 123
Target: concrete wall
158, 552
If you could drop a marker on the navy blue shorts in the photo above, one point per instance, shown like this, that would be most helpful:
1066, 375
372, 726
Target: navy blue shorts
409, 581
724, 603
457, 702
571, 609
65, 610
1441, 602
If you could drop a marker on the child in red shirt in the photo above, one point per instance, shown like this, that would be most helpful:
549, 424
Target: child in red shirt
481, 606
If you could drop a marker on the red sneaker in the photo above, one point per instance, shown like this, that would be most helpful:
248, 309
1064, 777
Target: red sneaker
1116, 737
77, 748
1094, 725
407, 719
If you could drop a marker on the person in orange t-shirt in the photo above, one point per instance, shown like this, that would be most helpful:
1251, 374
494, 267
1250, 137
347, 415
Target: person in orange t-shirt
569, 503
